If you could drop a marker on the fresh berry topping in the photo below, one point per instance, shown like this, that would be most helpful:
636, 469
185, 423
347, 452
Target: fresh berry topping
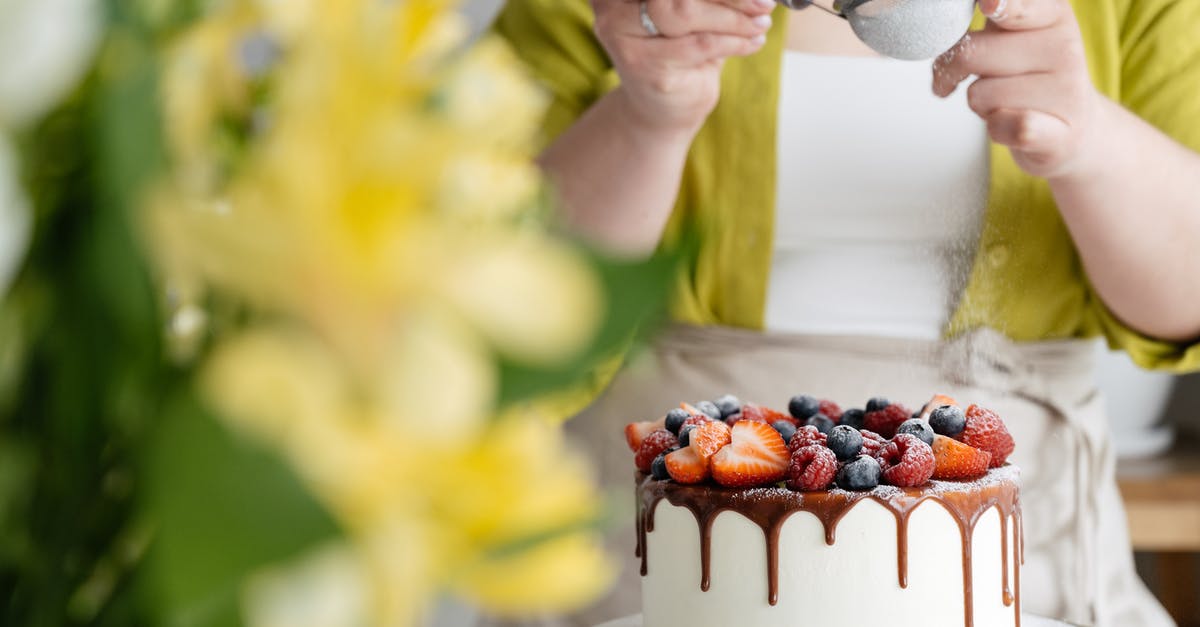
853, 418
803, 407
861, 474
917, 427
906, 461
830, 409
709, 409
653, 446
985, 431
811, 468
686, 467
938, 400
758, 413
884, 421
845, 442
729, 405
685, 434
948, 420
709, 438
872, 442
785, 428
821, 422
877, 403
675, 419
658, 468
806, 436
695, 421
635, 432
757, 456
955, 460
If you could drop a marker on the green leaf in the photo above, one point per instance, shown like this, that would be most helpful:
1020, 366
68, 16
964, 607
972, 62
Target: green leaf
222, 508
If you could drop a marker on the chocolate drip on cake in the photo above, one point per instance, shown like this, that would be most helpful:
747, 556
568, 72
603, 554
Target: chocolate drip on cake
769, 508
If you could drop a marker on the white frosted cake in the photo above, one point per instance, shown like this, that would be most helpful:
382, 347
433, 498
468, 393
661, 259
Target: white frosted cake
787, 545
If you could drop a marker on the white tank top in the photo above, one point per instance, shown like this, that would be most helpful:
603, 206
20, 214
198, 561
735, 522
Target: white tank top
882, 188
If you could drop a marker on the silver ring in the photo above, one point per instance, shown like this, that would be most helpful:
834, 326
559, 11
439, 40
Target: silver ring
647, 23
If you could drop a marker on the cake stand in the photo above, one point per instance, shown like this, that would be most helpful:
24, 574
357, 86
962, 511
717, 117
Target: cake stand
1027, 620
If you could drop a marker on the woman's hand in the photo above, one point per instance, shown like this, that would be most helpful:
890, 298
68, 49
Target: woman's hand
1033, 90
672, 82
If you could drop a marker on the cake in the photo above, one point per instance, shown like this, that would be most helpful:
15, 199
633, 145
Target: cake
749, 516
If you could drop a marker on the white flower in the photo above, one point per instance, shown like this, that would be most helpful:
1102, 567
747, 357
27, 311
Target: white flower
15, 221
325, 588
44, 48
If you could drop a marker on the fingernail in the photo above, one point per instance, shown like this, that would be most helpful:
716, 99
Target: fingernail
765, 4
763, 21
759, 40
998, 14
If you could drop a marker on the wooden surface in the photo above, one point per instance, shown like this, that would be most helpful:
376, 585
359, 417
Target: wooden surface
1162, 498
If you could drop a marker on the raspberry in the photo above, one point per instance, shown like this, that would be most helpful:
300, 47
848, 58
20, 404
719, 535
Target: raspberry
884, 421
831, 410
907, 462
694, 421
986, 432
872, 442
811, 468
806, 436
654, 445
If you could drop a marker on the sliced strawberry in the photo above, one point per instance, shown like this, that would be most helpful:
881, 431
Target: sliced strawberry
709, 438
758, 413
686, 467
986, 431
937, 401
955, 460
635, 432
653, 446
756, 456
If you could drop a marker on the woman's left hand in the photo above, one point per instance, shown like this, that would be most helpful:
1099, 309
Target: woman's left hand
1033, 89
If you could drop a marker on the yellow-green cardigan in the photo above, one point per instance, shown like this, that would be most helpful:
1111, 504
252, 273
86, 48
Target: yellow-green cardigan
1027, 280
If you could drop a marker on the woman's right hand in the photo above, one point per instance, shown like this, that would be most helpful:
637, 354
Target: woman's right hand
671, 83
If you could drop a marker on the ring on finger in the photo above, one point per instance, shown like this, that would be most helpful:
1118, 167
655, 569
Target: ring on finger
647, 22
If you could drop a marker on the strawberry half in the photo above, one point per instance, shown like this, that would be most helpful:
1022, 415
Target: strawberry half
756, 456
709, 438
937, 401
652, 446
955, 460
986, 432
635, 432
686, 467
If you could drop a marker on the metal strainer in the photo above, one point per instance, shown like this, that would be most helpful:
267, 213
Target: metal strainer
902, 29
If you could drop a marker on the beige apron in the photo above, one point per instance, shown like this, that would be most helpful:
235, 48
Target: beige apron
1079, 566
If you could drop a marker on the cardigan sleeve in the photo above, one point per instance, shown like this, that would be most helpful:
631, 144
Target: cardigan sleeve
555, 41
1160, 82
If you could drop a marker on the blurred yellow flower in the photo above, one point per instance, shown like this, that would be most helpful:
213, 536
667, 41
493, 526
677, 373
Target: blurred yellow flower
367, 186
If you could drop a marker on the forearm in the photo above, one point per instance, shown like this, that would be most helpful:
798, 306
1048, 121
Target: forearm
617, 178
1133, 210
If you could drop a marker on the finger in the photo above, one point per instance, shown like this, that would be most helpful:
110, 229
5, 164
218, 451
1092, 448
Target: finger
1024, 14
1047, 93
676, 18
1038, 140
999, 53
749, 7
694, 50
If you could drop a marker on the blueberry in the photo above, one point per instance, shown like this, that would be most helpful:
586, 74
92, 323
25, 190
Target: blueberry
860, 474
821, 422
785, 428
658, 468
853, 418
685, 435
729, 405
845, 442
803, 407
877, 403
948, 420
675, 419
708, 409
917, 427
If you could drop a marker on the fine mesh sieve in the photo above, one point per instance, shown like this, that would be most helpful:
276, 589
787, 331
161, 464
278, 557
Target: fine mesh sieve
902, 29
